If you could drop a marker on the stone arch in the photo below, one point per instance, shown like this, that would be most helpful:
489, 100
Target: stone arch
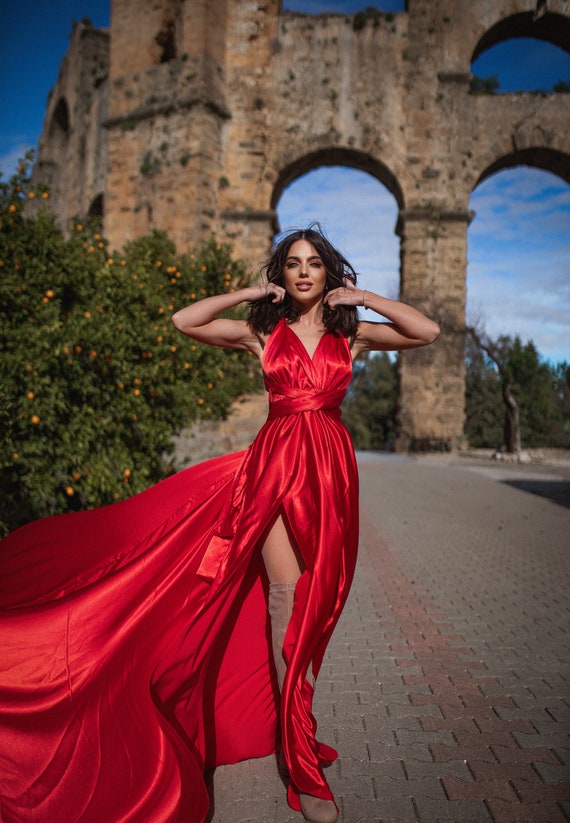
97, 207
539, 157
59, 127
549, 26
54, 152
502, 268
337, 156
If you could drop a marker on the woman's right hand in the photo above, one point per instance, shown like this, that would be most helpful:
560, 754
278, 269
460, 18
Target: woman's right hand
265, 290
200, 319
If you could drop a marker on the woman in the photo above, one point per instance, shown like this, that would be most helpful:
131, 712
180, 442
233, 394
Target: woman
135, 647
303, 327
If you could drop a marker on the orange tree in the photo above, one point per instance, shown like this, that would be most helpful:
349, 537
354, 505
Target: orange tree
94, 379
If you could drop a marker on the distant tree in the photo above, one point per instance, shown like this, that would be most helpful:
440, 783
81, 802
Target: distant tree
533, 385
484, 85
562, 87
483, 410
535, 396
561, 388
370, 407
498, 353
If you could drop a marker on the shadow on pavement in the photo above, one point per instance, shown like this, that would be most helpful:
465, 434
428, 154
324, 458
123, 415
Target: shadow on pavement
556, 490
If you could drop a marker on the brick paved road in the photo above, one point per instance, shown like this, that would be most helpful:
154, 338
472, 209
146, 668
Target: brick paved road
446, 686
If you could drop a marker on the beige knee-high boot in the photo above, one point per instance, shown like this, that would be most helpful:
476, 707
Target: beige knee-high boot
280, 608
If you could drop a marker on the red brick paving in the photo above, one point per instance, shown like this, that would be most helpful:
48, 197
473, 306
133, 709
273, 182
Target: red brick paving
504, 773
481, 735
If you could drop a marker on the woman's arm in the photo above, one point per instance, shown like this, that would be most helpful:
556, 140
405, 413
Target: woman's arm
407, 328
199, 320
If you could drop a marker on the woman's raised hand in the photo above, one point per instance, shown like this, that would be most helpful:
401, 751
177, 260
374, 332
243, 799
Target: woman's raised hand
266, 290
347, 295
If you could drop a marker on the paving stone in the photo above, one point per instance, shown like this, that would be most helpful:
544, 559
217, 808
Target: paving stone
525, 812
390, 769
380, 752
395, 808
563, 755
538, 792
424, 738
510, 754
463, 789
453, 811
431, 724
552, 773
551, 741
416, 770
565, 806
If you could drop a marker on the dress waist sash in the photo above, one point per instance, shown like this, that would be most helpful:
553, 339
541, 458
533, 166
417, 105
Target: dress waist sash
301, 401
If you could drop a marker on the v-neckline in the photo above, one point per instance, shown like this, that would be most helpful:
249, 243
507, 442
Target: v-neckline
305, 349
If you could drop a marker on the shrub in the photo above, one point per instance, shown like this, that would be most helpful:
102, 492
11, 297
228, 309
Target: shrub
94, 379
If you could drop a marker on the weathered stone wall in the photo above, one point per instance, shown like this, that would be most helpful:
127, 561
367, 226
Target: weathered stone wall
72, 152
213, 107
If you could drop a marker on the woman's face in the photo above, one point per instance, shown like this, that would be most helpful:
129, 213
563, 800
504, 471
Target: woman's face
304, 274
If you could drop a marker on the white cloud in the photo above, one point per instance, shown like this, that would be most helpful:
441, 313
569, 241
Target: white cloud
506, 308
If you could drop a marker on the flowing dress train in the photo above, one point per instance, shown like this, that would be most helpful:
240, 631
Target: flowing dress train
135, 644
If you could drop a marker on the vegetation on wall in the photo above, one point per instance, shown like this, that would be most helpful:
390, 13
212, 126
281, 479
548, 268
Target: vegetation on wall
94, 379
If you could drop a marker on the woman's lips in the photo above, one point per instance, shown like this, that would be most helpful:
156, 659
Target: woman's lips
304, 286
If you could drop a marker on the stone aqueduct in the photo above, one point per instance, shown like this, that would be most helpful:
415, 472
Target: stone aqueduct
193, 115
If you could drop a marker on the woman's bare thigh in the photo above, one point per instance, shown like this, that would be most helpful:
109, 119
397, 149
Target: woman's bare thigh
282, 560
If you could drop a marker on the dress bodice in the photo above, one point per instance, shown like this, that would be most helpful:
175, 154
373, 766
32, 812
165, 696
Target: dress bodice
297, 382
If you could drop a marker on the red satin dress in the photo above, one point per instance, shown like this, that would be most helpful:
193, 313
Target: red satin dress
134, 639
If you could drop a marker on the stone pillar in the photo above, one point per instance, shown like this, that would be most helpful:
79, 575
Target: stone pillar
432, 379
166, 118
251, 234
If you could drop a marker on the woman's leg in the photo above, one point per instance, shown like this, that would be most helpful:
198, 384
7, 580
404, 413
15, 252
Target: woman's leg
282, 559
284, 566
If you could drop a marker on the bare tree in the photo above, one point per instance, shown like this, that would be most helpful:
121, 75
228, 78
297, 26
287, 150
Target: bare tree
511, 426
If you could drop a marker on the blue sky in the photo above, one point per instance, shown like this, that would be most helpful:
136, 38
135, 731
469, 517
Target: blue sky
519, 242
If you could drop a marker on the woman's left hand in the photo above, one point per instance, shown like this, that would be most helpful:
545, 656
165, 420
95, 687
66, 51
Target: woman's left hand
348, 295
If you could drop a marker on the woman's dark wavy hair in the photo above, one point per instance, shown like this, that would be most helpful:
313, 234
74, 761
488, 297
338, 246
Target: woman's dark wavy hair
264, 314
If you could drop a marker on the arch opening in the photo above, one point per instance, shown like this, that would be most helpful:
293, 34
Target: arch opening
60, 119
97, 207
356, 208
517, 275
337, 157
359, 215
538, 157
523, 53
549, 27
